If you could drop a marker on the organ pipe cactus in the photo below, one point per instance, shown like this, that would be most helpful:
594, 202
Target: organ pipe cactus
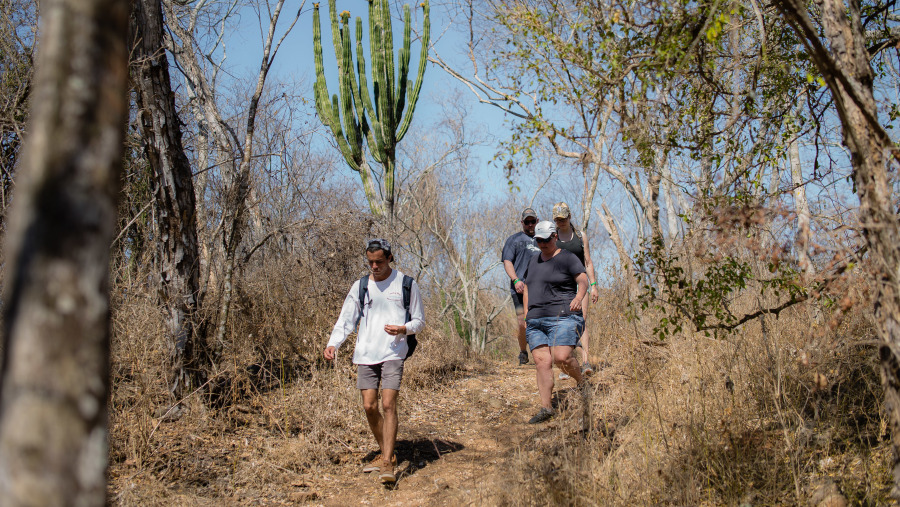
382, 119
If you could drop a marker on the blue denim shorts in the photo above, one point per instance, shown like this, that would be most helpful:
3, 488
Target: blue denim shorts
554, 331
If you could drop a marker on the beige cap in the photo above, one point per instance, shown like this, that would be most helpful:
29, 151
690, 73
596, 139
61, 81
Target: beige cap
561, 210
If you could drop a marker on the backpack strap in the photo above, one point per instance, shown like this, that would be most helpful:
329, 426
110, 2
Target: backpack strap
363, 290
411, 340
407, 295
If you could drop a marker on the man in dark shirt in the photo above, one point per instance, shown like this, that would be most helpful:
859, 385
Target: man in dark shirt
555, 286
517, 252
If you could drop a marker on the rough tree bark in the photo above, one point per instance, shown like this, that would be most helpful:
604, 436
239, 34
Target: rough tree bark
55, 370
843, 60
177, 248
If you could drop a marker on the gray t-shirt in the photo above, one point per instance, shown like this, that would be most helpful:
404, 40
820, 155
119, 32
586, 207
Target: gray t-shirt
519, 249
551, 284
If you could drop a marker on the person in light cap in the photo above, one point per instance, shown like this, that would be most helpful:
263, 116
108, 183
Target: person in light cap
517, 253
555, 287
575, 241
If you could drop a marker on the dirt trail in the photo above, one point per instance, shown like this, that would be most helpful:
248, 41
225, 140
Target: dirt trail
456, 446
453, 449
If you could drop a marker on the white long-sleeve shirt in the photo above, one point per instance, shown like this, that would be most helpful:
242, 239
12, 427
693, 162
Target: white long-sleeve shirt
383, 305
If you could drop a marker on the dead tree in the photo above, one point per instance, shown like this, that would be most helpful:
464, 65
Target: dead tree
178, 259
55, 365
843, 60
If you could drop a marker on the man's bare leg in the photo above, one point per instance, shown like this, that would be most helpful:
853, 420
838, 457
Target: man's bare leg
390, 425
373, 415
520, 316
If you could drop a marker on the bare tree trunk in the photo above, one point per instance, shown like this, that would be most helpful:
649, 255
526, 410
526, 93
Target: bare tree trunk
802, 207
671, 216
55, 370
177, 248
610, 225
845, 68
236, 196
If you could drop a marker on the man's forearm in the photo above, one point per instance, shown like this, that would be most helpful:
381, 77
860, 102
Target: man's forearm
510, 270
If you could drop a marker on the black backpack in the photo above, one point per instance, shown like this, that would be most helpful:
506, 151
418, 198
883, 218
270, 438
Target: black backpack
407, 295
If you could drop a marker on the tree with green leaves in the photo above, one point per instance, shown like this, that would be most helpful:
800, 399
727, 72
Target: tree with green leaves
378, 121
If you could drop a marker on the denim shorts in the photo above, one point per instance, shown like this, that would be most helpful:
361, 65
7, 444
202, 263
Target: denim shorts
554, 331
388, 373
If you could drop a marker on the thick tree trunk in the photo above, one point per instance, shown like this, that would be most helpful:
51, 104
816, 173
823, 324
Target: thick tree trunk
178, 252
55, 370
845, 67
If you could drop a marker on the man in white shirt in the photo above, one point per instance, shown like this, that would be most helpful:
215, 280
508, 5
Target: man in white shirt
381, 346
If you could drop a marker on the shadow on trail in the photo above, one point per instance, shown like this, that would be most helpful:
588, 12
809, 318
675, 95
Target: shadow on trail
414, 455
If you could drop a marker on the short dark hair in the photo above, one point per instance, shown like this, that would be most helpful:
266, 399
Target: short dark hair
376, 244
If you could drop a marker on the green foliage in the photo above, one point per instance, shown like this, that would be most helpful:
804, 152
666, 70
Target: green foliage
703, 300
383, 119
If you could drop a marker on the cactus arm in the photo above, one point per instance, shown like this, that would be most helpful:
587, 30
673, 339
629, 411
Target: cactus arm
320, 88
351, 127
329, 113
379, 121
388, 82
343, 145
335, 34
361, 88
373, 135
374, 44
423, 60
404, 66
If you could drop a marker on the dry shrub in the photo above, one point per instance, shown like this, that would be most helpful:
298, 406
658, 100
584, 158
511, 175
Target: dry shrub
764, 416
137, 379
277, 408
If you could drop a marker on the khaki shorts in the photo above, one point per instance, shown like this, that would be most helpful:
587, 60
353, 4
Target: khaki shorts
389, 373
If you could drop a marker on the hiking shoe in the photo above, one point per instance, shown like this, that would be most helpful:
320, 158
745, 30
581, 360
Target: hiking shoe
586, 369
375, 464
542, 416
523, 357
387, 472
563, 375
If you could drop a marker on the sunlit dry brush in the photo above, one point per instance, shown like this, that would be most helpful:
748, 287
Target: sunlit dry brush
274, 415
770, 414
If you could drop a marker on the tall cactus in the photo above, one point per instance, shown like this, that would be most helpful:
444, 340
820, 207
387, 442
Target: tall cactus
356, 117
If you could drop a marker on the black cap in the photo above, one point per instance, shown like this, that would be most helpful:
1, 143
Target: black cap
528, 212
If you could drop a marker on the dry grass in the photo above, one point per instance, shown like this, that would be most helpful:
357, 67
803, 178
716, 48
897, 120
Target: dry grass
279, 410
764, 417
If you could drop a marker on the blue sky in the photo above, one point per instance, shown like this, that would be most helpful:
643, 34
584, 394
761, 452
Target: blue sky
295, 61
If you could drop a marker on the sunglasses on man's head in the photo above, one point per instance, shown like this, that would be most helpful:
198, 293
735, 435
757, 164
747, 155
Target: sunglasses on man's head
542, 240
379, 243
529, 222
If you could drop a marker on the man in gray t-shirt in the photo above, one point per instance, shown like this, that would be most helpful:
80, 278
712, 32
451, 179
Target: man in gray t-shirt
517, 253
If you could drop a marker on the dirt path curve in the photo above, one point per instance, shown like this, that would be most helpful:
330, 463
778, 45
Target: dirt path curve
453, 449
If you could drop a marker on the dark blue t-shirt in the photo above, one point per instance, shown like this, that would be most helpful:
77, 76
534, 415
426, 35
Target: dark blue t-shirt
519, 249
552, 286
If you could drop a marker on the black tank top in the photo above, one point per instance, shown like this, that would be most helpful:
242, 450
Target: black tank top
575, 245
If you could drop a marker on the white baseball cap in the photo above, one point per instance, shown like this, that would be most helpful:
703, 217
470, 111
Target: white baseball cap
544, 229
